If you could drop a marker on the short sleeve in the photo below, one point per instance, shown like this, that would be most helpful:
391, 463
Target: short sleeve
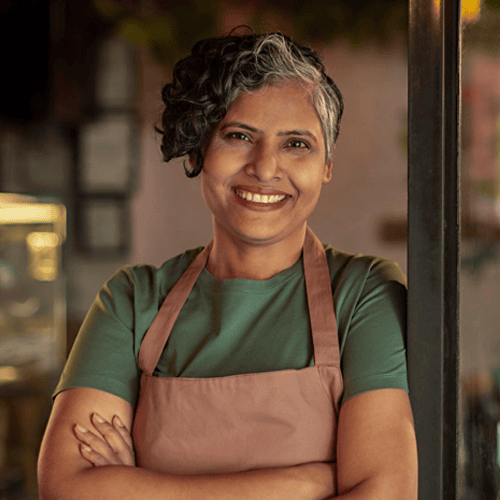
103, 356
371, 304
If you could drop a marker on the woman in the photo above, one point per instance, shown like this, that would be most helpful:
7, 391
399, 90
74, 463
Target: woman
256, 394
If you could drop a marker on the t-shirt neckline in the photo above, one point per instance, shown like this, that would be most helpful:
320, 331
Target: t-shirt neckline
206, 278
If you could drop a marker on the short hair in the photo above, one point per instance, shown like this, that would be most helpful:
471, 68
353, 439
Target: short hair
208, 81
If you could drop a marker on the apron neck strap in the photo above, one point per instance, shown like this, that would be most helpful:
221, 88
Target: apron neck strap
157, 335
320, 301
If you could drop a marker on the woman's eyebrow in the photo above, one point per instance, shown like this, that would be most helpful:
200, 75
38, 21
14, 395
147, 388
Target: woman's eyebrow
299, 132
257, 131
241, 125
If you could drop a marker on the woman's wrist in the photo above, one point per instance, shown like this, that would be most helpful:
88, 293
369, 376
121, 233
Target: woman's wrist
316, 480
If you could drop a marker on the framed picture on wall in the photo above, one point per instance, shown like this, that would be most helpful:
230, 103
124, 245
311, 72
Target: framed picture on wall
109, 153
103, 225
115, 81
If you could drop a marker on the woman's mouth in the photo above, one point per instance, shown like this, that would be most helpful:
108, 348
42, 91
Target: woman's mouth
260, 198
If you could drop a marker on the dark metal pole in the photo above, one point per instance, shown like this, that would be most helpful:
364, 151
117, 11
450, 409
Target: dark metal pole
433, 239
452, 41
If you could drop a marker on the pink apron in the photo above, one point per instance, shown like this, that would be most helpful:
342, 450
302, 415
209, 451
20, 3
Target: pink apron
241, 422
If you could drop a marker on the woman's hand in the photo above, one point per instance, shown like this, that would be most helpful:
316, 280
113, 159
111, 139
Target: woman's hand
111, 446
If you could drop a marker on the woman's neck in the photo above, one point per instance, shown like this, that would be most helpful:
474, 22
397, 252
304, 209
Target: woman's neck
231, 258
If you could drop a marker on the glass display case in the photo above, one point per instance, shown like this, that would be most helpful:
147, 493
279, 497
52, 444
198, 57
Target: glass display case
32, 287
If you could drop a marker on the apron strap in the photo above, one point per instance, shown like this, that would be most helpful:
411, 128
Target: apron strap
157, 335
320, 300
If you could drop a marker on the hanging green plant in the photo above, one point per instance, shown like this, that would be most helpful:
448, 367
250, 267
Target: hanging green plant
170, 32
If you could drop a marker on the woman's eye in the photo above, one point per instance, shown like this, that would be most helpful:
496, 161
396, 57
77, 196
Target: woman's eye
237, 135
296, 143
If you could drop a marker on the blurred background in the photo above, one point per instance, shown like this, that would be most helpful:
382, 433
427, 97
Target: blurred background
84, 189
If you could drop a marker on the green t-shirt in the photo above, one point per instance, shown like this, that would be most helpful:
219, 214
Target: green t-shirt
239, 326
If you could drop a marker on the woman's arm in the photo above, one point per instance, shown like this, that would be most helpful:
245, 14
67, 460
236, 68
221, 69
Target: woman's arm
63, 474
376, 449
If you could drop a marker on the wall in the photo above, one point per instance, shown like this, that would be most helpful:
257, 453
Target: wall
168, 213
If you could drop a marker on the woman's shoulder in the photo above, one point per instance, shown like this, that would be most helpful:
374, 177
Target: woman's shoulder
149, 276
360, 268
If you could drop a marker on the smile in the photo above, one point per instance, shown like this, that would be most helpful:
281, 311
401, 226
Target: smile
260, 198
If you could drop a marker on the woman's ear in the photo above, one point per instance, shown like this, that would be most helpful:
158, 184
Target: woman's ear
327, 174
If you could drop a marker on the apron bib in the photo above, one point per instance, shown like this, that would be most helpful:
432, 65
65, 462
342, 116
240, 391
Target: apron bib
241, 422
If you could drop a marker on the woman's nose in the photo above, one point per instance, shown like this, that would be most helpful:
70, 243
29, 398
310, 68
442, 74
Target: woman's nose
264, 164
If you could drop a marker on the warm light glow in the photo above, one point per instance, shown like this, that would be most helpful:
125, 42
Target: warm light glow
29, 213
43, 251
470, 9
42, 240
8, 374
34, 213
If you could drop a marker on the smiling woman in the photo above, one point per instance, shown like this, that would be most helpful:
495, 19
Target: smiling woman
262, 175
223, 374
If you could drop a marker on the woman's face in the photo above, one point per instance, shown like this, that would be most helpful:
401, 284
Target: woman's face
265, 165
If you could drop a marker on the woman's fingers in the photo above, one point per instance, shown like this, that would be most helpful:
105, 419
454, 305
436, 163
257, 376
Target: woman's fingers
117, 438
120, 427
97, 447
107, 432
116, 445
113, 445
92, 456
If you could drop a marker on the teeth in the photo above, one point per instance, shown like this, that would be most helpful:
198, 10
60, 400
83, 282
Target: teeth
257, 198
